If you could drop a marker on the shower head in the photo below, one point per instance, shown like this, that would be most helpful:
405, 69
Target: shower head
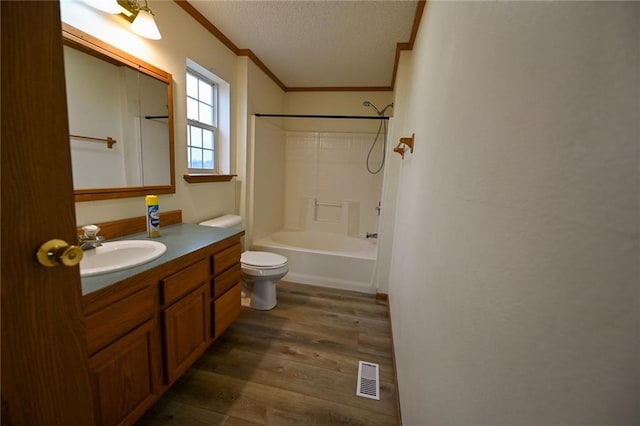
372, 106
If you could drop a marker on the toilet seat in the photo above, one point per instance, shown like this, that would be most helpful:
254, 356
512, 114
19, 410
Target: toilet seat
260, 272
262, 260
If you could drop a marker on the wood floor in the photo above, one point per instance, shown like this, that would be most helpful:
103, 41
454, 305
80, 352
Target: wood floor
294, 365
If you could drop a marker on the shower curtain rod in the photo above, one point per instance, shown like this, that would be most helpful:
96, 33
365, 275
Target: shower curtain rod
353, 117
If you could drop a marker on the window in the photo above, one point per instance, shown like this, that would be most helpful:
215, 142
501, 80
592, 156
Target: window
202, 121
208, 125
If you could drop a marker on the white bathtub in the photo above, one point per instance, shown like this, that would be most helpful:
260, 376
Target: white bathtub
324, 259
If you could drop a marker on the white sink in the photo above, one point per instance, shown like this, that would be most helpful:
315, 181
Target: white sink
117, 255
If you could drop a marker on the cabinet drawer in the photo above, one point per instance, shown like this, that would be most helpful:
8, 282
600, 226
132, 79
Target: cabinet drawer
108, 324
226, 280
226, 258
177, 285
225, 310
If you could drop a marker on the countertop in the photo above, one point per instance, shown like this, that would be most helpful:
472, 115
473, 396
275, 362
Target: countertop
180, 240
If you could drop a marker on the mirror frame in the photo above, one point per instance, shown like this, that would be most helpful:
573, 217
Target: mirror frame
84, 42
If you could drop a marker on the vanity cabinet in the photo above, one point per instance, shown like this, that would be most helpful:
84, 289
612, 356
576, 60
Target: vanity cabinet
144, 331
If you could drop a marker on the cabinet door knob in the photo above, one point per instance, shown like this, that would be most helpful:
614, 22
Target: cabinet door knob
58, 252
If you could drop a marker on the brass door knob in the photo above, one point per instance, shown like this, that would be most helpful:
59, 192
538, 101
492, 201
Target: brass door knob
58, 252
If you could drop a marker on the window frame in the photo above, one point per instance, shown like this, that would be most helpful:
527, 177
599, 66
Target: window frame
203, 126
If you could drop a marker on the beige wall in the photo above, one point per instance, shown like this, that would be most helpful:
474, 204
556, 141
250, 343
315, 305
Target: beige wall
182, 38
514, 277
334, 103
266, 156
265, 153
269, 179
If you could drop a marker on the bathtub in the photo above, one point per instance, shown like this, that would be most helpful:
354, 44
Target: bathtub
324, 259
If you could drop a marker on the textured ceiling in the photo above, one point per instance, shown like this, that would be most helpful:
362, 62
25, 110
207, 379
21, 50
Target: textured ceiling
317, 43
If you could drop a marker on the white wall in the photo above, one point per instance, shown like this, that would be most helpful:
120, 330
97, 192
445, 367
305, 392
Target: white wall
182, 37
514, 275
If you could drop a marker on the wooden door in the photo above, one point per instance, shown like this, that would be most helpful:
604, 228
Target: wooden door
44, 361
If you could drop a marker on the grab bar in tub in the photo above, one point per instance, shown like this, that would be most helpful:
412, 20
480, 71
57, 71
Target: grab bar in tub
320, 203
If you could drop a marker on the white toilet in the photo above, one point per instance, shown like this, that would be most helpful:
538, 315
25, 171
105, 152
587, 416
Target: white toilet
261, 270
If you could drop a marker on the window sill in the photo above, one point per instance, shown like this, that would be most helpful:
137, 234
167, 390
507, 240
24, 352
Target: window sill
207, 178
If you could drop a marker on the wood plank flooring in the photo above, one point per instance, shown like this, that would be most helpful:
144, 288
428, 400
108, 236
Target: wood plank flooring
294, 365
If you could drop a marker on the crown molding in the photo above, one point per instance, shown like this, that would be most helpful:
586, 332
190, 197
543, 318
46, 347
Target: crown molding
202, 20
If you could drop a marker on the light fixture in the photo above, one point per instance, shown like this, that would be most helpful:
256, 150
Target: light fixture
145, 25
141, 17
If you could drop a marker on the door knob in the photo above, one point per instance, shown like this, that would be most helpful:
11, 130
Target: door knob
58, 252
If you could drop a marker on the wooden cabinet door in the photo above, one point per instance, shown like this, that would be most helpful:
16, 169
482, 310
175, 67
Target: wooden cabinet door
226, 309
186, 332
122, 378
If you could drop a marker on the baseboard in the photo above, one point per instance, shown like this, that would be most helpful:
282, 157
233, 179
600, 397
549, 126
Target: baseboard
382, 296
393, 358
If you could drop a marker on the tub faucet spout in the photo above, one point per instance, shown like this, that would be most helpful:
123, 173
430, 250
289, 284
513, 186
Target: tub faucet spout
372, 235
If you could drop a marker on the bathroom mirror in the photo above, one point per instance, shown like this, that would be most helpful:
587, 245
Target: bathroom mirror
120, 121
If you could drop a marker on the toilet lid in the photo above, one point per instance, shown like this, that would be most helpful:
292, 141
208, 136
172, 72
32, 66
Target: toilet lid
262, 259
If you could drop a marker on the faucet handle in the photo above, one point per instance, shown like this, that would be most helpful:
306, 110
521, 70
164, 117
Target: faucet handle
91, 230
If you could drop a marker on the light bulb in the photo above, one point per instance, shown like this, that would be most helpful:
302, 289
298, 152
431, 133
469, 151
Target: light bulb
145, 25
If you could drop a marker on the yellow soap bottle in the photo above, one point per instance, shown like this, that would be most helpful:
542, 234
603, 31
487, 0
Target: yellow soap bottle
153, 216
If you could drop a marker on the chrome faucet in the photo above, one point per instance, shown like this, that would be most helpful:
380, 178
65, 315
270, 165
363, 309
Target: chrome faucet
90, 239
372, 235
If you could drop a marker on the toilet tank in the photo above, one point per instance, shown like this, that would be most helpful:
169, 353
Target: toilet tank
226, 221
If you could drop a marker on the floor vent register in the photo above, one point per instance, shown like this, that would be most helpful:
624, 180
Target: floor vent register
368, 380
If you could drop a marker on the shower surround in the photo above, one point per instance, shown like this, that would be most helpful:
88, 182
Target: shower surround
329, 204
331, 168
